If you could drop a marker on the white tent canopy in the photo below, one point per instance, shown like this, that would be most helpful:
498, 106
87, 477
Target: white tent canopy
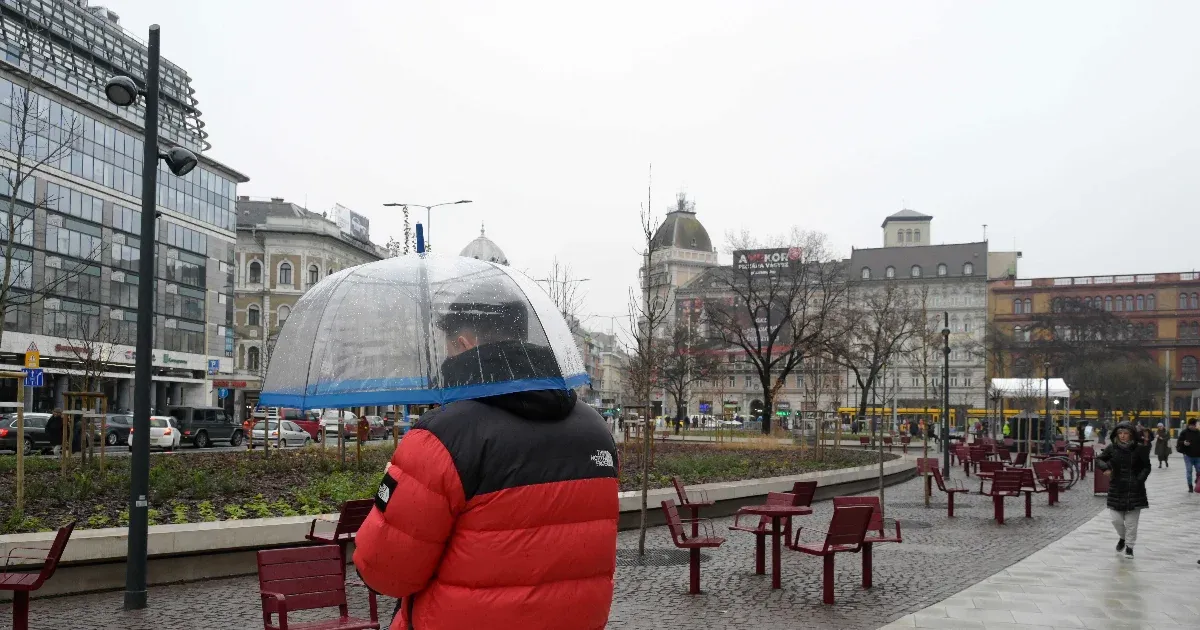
1020, 387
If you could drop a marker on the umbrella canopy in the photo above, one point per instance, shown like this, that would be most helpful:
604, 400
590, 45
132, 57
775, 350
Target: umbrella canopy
1019, 387
420, 329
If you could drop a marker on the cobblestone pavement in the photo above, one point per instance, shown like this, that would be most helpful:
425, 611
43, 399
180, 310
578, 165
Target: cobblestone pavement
1081, 582
932, 564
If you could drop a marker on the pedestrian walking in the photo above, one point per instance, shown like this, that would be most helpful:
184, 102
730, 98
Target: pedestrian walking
1126, 462
1188, 445
1162, 447
499, 511
77, 434
54, 428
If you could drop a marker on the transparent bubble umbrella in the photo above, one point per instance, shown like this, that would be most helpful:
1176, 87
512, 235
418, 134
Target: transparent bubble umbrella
420, 328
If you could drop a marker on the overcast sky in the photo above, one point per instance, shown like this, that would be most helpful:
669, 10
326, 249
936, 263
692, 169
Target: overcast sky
1069, 128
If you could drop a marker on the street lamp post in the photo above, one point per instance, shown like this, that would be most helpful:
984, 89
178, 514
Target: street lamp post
124, 91
998, 419
1047, 425
428, 214
946, 395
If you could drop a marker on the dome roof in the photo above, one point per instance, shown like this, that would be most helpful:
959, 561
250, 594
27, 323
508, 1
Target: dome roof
682, 229
483, 248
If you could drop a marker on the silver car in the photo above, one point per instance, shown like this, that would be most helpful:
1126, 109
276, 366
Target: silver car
281, 433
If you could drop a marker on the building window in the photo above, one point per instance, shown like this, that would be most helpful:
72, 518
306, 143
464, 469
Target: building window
252, 359
866, 273
942, 270
1129, 302
1056, 305
968, 269
732, 381
255, 272
285, 275
1188, 373
1150, 306
748, 381
1087, 303
917, 236
916, 271
314, 274
284, 312
1141, 303
966, 324
1183, 301
890, 272
1195, 303
1108, 305
1018, 306
1028, 305
252, 316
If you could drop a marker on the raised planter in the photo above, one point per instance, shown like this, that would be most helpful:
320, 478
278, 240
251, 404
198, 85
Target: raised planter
94, 560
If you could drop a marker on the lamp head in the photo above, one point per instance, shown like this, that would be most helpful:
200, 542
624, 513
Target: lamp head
121, 91
180, 161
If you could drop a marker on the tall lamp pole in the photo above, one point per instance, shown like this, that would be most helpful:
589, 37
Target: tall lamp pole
428, 214
124, 91
946, 394
1047, 424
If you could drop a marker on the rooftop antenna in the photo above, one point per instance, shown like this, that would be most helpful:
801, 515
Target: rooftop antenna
984, 232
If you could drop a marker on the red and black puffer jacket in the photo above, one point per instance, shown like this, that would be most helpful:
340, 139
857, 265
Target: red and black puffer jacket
498, 513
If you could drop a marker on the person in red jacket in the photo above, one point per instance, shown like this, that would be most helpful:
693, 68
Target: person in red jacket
498, 512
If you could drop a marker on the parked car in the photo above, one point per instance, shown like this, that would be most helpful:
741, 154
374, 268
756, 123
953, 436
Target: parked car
201, 426
307, 421
329, 421
35, 433
281, 433
117, 429
378, 430
164, 433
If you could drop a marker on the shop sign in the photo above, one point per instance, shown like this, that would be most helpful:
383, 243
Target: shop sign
230, 384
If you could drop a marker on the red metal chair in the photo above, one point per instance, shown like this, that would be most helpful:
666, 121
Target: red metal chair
949, 490
1087, 461
804, 491
763, 528
846, 532
308, 578
351, 517
693, 502
977, 454
924, 467
1020, 459
864, 441
1005, 455
1049, 475
1005, 483
905, 440
692, 543
887, 441
24, 583
987, 470
875, 531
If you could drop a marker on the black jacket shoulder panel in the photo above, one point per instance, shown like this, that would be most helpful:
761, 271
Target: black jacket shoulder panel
494, 449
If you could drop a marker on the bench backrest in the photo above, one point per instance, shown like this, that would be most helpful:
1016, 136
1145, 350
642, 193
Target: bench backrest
862, 439
926, 464
848, 527
876, 522
990, 467
937, 477
55, 553
804, 491
1020, 458
1008, 481
671, 514
679, 490
352, 516
1005, 455
775, 498
1048, 470
310, 577
1027, 479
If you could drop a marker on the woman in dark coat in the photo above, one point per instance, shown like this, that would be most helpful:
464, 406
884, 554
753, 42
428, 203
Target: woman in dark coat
1162, 448
1126, 461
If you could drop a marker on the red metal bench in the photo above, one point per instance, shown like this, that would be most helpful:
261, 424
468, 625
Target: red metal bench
846, 532
925, 466
23, 583
1006, 483
350, 518
864, 441
692, 543
763, 528
693, 502
308, 578
887, 441
905, 440
949, 490
875, 531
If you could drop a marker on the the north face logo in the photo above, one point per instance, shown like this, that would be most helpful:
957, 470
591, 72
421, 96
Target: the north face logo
385, 493
603, 458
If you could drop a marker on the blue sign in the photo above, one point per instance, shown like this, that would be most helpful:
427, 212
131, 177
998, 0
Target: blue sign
33, 377
222, 393
214, 366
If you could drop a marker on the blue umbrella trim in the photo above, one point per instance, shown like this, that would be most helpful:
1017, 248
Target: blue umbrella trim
376, 396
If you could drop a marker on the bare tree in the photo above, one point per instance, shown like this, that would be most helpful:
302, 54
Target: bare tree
647, 313
688, 358
92, 344
777, 312
32, 144
563, 288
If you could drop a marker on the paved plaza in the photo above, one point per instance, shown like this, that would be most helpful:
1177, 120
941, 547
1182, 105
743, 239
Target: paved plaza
1080, 581
939, 558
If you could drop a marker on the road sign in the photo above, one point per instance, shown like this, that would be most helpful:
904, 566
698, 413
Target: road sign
33, 377
214, 366
222, 393
33, 358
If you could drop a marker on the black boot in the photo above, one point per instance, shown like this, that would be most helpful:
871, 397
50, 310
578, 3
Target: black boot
1191, 488
1129, 552
1120, 544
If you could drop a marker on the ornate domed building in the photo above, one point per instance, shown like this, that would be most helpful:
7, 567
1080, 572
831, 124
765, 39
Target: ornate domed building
483, 248
682, 251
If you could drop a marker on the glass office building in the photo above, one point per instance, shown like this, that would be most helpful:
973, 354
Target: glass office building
76, 240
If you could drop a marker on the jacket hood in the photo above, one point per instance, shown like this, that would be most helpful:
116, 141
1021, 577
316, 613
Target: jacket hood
507, 361
1134, 429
